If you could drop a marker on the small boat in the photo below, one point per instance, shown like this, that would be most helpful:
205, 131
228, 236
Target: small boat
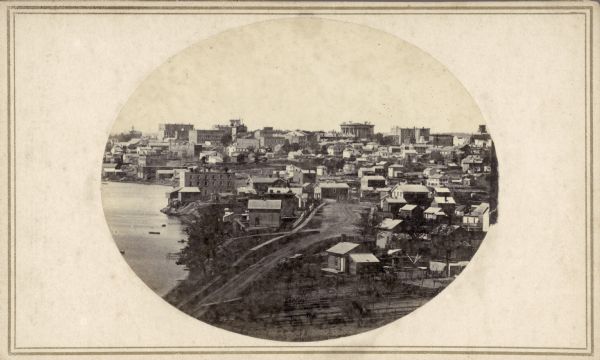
154, 232
122, 252
164, 225
181, 241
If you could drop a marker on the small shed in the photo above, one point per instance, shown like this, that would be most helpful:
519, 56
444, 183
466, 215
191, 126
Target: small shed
386, 230
337, 259
434, 213
410, 212
264, 212
186, 194
363, 264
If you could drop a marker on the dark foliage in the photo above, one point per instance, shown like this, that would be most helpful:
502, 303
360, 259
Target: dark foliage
204, 236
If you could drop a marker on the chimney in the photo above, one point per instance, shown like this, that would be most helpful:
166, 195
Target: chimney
482, 129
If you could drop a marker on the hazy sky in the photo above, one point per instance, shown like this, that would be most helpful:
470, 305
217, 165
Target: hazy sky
305, 73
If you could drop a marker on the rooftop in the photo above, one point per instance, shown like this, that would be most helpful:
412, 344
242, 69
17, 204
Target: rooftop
391, 200
408, 207
256, 204
264, 180
373, 177
333, 185
364, 258
389, 224
342, 248
413, 188
188, 189
480, 209
435, 211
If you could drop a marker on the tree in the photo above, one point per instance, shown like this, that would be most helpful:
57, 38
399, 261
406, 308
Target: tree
122, 137
226, 140
384, 140
313, 145
366, 226
286, 146
241, 158
204, 235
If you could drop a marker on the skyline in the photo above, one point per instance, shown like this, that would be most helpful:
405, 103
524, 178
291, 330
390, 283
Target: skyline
321, 69
252, 128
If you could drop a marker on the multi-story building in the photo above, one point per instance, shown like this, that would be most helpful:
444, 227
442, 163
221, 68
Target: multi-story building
412, 135
237, 128
296, 137
331, 190
175, 131
209, 182
248, 143
359, 130
214, 136
442, 139
271, 141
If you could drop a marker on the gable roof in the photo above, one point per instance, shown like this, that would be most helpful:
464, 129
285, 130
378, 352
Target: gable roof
432, 210
364, 258
342, 248
334, 185
408, 207
389, 224
391, 200
256, 204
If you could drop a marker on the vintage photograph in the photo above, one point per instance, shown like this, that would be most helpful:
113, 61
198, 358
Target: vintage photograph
300, 189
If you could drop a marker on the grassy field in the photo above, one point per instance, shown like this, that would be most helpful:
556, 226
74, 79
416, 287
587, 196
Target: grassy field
299, 302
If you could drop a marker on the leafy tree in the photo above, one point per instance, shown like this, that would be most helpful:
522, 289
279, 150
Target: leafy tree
366, 226
204, 236
122, 137
334, 164
384, 140
226, 140
313, 145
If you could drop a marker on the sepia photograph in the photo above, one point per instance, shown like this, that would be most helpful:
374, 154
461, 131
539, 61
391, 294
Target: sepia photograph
252, 194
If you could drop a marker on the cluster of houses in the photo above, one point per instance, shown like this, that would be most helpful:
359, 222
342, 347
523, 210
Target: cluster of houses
425, 189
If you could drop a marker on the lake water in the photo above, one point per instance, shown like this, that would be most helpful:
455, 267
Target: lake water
132, 211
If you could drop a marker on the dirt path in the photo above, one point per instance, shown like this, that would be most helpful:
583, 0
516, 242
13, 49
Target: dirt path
337, 219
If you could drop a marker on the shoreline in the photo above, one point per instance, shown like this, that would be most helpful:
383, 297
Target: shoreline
141, 249
140, 182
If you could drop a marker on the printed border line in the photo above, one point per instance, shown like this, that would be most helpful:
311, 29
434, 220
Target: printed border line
12, 171
9, 173
574, 12
280, 8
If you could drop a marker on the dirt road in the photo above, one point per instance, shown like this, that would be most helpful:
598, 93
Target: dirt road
337, 218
